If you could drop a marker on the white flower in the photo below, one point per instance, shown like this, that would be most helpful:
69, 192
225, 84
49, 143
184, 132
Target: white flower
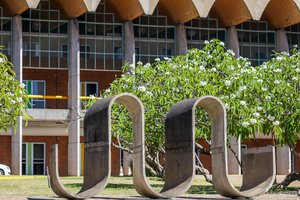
226, 105
157, 59
203, 83
150, 93
230, 52
276, 123
297, 70
201, 67
206, 42
243, 88
19, 99
107, 90
232, 67
276, 82
260, 81
222, 44
147, 65
294, 78
139, 63
243, 103
232, 96
12, 101
279, 58
245, 124
278, 70
253, 121
209, 56
227, 83
22, 85
141, 89
264, 89
213, 69
256, 114
167, 58
259, 108
270, 117
168, 73
267, 98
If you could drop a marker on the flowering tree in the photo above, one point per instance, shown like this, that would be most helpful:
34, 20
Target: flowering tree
258, 99
13, 98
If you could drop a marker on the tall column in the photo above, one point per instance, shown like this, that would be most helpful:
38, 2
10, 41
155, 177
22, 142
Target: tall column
129, 43
283, 154
17, 59
281, 40
73, 100
233, 40
235, 143
181, 40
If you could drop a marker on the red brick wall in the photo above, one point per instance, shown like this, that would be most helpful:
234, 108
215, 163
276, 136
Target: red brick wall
297, 159
5, 150
62, 141
57, 82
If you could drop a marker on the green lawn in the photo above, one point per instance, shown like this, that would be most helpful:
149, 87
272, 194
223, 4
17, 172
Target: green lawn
38, 186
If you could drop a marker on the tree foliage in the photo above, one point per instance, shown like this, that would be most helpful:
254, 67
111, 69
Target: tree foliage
13, 97
262, 99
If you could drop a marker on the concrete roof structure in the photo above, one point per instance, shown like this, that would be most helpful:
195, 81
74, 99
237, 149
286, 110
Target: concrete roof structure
278, 13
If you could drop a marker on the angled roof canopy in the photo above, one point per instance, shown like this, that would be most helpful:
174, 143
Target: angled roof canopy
230, 12
282, 13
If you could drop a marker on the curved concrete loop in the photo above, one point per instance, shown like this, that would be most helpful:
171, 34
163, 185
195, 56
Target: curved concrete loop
179, 158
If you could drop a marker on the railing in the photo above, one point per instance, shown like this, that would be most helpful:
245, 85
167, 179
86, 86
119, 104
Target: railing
59, 97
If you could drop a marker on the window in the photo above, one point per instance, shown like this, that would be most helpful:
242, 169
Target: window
36, 88
89, 88
32, 49
33, 158
167, 52
84, 51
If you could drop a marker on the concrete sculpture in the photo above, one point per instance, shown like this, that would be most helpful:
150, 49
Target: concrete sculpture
258, 167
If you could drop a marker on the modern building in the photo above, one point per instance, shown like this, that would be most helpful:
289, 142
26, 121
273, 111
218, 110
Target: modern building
73, 48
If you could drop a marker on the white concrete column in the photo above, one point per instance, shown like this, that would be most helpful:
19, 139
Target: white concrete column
129, 43
281, 41
17, 59
233, 40
283, 160
181, 40
127, 158
233, 165
283, 154
73, 101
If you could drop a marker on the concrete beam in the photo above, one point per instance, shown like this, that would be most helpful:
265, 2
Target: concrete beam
17, 59
73, 101
283, 160
297, 2
233, 40
203, 6
181, 40
33, 3
129, 43
281, 41
92, 5
148, 6
256, 7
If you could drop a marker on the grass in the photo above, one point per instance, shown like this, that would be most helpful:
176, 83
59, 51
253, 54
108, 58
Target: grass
38, 186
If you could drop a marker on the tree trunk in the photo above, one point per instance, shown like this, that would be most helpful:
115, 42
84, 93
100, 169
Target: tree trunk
295, 176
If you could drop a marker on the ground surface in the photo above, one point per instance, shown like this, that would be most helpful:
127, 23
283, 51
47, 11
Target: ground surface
22, 187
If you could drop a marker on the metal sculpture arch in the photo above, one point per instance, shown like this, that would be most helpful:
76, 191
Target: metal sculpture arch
179, 158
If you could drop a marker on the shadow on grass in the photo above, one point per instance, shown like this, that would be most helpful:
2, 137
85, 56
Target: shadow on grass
194, 189
201, 189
